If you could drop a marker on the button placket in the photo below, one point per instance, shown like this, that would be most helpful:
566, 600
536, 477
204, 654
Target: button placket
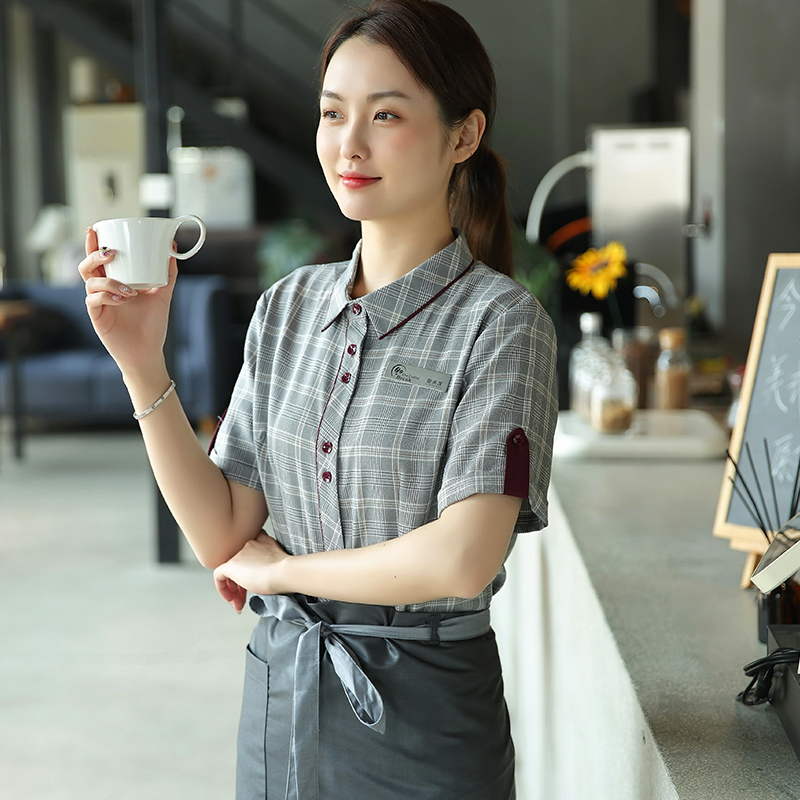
331, 424
356, 329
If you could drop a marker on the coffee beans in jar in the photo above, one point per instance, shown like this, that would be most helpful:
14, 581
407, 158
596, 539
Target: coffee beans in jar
672, 370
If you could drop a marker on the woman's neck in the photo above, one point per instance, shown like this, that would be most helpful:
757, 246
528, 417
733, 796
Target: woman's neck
390, 251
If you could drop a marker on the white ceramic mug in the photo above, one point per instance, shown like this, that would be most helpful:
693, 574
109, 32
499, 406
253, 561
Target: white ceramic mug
144, 248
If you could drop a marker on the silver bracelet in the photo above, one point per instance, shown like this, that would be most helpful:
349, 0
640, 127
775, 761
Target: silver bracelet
157, 402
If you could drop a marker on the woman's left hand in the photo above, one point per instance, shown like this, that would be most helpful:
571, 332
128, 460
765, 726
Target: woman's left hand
251, 569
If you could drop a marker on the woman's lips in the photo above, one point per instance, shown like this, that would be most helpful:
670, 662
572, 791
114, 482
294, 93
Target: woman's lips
353, 180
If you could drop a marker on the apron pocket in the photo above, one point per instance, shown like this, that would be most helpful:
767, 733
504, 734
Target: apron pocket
251, 764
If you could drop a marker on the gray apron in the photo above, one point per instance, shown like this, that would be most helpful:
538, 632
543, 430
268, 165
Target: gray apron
344, 701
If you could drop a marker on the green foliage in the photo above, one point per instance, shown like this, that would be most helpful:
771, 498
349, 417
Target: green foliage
290, 244
536, 268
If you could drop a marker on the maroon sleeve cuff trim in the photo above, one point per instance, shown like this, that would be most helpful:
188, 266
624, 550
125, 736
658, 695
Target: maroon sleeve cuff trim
517, 475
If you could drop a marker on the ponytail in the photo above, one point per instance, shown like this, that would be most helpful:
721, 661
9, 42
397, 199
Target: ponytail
478, 207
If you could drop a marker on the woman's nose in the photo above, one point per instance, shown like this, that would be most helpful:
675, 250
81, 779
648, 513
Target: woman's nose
354, 146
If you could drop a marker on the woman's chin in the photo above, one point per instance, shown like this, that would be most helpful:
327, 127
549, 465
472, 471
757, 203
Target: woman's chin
356, 214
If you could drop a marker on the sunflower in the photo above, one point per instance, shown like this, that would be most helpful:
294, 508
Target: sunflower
597, 271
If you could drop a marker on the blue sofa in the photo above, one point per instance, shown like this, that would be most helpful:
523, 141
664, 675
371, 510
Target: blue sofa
67, 375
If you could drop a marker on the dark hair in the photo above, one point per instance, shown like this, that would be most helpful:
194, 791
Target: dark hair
442, 51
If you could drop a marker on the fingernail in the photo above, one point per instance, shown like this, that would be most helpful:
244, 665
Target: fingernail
117, 297
88, 228
126, 289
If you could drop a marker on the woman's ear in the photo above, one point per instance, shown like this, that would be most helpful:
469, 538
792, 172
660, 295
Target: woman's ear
469, 136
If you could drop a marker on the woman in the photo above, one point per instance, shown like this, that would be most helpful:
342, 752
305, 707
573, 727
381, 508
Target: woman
393, 418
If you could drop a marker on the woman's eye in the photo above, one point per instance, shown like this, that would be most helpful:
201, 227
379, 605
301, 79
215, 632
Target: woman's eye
327, 113
383, 116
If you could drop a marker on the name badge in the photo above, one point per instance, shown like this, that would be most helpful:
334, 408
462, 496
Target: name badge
417, 376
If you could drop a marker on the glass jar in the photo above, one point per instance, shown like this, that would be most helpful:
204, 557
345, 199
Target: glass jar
672, 370
613, 399
581, 379
639, 350
584, 360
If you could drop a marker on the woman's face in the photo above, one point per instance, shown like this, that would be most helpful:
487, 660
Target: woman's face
381, 142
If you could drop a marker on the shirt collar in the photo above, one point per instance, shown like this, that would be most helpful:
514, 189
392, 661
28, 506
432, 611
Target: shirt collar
394, 304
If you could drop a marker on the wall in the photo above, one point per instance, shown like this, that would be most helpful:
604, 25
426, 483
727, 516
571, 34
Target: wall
562, 65
762, 150
746, 130
526, 55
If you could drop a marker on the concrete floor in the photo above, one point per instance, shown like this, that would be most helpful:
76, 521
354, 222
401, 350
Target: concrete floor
119, 678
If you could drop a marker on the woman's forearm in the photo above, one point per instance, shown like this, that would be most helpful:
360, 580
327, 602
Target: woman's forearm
216, 516
458, 555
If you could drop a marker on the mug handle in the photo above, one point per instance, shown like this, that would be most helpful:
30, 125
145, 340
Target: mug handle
198, 244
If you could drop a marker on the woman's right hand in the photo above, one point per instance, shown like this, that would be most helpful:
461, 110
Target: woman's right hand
131, 325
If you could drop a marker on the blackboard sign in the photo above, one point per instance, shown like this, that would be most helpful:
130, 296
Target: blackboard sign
765, 444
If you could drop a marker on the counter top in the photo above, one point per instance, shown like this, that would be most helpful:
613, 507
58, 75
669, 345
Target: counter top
684, 629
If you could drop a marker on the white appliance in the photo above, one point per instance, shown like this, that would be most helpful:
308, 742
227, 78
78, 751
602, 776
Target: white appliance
104, 148
639, 187
216, 184
640, 195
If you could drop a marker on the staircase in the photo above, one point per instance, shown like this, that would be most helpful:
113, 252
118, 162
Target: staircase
262, 52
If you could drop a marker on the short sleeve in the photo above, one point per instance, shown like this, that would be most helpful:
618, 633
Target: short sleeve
501, 439
234, 447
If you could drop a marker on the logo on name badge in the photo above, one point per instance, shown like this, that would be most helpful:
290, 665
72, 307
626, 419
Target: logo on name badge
418, 376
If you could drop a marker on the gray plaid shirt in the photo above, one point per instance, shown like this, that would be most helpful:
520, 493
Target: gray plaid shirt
361, 420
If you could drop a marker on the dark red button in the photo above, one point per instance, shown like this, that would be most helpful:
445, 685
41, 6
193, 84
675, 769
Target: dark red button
346, 377
356, 308
327, 447
352, 349
518, 439
327, 477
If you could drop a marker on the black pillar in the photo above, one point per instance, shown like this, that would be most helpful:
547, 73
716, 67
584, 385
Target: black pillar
7, 240
50, 140
152, 70
236, 45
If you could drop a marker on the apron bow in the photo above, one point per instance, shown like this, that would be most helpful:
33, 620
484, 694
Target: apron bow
364, 698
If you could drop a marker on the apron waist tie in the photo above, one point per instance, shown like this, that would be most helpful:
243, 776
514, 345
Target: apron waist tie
364, 698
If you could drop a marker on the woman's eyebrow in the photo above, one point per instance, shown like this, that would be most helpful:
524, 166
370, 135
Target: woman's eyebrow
326, 93
389, 93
